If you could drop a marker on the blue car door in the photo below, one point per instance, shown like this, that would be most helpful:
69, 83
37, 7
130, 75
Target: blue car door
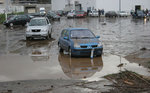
61, 40
66, 40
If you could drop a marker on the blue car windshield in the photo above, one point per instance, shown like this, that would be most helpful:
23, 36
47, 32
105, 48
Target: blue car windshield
78, 34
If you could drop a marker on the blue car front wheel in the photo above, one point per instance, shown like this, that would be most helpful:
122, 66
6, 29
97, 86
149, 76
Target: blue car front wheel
70, 52
59, 47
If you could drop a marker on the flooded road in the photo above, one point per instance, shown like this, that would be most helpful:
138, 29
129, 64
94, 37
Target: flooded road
40, 59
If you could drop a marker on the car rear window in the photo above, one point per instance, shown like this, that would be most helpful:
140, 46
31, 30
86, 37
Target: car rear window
81, 34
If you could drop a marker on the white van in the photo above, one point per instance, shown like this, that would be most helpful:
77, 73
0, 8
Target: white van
42, 10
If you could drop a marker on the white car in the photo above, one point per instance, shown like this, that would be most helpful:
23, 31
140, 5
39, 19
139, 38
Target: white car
93, 13
71, 14
122, 14
39, 27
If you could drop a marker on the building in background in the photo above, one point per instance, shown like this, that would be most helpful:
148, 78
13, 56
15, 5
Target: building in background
64, 4
107, 5
32, 6
31, 1
23, 1
1, 6
1, 2
125, 5
6, 6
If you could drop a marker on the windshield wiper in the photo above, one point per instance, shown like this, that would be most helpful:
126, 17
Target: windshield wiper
76, 37
86, 37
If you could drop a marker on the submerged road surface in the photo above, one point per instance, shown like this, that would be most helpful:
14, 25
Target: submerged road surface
40, 59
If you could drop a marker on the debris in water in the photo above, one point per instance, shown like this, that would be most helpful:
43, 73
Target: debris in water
103, 23
120, 65
128, 81
143, 48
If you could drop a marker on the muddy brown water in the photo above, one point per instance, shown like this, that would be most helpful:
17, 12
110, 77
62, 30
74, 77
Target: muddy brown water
40, 59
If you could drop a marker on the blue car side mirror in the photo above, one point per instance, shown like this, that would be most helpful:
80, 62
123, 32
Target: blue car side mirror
97, 36
66, 38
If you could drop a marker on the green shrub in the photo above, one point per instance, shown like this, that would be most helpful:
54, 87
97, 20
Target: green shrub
2, 16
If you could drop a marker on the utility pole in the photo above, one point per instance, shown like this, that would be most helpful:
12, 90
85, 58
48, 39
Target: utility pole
119, 5
6, 9
69, 3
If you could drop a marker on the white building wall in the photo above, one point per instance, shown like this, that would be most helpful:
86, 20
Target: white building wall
107, 5
86, 3
126, 5
60, 4
10, 8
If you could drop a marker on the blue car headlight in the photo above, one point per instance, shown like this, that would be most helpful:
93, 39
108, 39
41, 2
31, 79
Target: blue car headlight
100, 44
76, 45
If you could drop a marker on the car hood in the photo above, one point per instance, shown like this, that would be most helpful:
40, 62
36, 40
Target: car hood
37, 27
56, 16
94, 41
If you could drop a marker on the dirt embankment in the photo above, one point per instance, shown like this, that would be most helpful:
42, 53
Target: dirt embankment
131, 82
128, 82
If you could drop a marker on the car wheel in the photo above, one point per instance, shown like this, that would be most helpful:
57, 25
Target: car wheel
60, 49
70, 52
7, 25
27, 38
11, 24
47, 37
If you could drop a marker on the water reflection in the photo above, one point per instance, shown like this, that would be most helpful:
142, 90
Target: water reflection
40, 54
79, 68
39, 50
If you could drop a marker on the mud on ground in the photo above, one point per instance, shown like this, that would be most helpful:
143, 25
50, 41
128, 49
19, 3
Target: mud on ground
142, 57
128, 82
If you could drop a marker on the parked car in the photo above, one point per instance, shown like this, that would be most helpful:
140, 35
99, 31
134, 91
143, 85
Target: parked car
10, 16
17, 20
39, 27
42, 11
93, 13
71, 14
122, 14
52, 16
148, 12
80, 14
32, 15
59, 12
139, 14
111, 14
80, 42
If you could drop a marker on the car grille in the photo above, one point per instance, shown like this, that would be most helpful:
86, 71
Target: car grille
83, 46
36, 30
92, 46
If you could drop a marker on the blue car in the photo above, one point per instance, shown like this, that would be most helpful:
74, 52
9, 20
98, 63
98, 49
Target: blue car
80, 42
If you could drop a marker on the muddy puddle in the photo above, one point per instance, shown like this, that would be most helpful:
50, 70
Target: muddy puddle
45, 66
40, 59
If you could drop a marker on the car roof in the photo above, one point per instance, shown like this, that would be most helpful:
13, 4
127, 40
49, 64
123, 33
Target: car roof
70, 29
39, 18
